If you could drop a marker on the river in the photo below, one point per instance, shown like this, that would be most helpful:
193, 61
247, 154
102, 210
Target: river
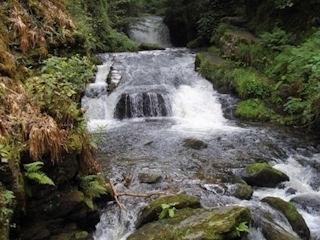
160, 102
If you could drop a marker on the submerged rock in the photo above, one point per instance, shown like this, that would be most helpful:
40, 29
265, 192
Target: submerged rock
290, 212
263, 175
194, 144
149, 177
219, 223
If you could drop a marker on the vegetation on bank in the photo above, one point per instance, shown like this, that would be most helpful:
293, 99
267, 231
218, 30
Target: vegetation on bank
46, 59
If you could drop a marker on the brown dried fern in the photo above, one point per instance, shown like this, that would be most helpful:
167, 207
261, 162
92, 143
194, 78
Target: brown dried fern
46, 137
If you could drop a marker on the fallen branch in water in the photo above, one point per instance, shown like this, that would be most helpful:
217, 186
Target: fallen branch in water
115, 195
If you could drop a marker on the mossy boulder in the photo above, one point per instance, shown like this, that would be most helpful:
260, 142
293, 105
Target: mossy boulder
151, 212
232, 38
263, 175
290, 212
194, 144
217, 224
240, 190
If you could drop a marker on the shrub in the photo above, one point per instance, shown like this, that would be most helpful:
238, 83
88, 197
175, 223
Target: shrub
250, 84
253, 109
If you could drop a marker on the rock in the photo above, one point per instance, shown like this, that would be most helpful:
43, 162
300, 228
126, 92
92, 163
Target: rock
308, 202
152, 211
291, 191
149, 177
232, 38
263, 175
240, 190
290, 212
194, 144
219, 223
150, 46
272, 231
267, 219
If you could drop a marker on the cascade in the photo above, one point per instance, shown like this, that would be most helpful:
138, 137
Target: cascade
156, 102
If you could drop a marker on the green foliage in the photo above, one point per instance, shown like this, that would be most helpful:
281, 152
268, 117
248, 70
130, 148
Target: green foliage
6, 203
282, 4
254, 110
33, 172
298, 68
277, 39
168, 210
92, 187
57, 90
242, 228
218, 33
250, 84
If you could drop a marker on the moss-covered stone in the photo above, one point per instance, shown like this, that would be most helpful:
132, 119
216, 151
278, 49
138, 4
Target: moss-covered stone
152, 211
217, 224
240, 190
194, 143
263, 175
290, 212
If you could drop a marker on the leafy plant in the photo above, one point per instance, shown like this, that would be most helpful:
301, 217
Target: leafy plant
93, 187
242, 228
168, 210
33, 172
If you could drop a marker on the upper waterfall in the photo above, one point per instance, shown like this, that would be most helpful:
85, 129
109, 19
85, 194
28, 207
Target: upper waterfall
150, 29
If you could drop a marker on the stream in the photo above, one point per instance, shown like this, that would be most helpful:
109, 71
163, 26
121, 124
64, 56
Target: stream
159, 102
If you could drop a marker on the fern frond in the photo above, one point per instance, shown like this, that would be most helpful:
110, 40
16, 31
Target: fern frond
92, 187
39, 177
34, 173
33, 167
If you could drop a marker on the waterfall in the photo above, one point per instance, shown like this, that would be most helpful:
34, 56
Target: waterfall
153, 84
150, 30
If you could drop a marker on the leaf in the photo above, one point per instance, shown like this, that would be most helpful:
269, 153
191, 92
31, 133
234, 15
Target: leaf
165, 206
171, 212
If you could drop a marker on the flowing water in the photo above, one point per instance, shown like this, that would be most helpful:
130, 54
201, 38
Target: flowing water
141, 127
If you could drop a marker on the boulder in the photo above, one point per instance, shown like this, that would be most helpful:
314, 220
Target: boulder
194, 144
149, 177
290, 212
262, 175
151, 212
240, 190
220, 223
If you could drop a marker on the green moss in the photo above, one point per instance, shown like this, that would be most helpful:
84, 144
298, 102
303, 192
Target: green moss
254, 110
257, 167
217, 224
150, 46
290, 212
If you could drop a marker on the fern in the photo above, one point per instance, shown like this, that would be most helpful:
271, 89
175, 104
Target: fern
33, 172
92, 186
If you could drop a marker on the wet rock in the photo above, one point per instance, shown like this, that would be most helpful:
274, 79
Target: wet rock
262, 175
149, 177
219, 223
150, 46
308, 202
272, 231
270, 222
152, 211
240, 190
291, 191
290, 212
194, 144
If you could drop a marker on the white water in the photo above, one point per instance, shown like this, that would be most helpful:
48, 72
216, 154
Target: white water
194, 103
150, 30
301, 178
